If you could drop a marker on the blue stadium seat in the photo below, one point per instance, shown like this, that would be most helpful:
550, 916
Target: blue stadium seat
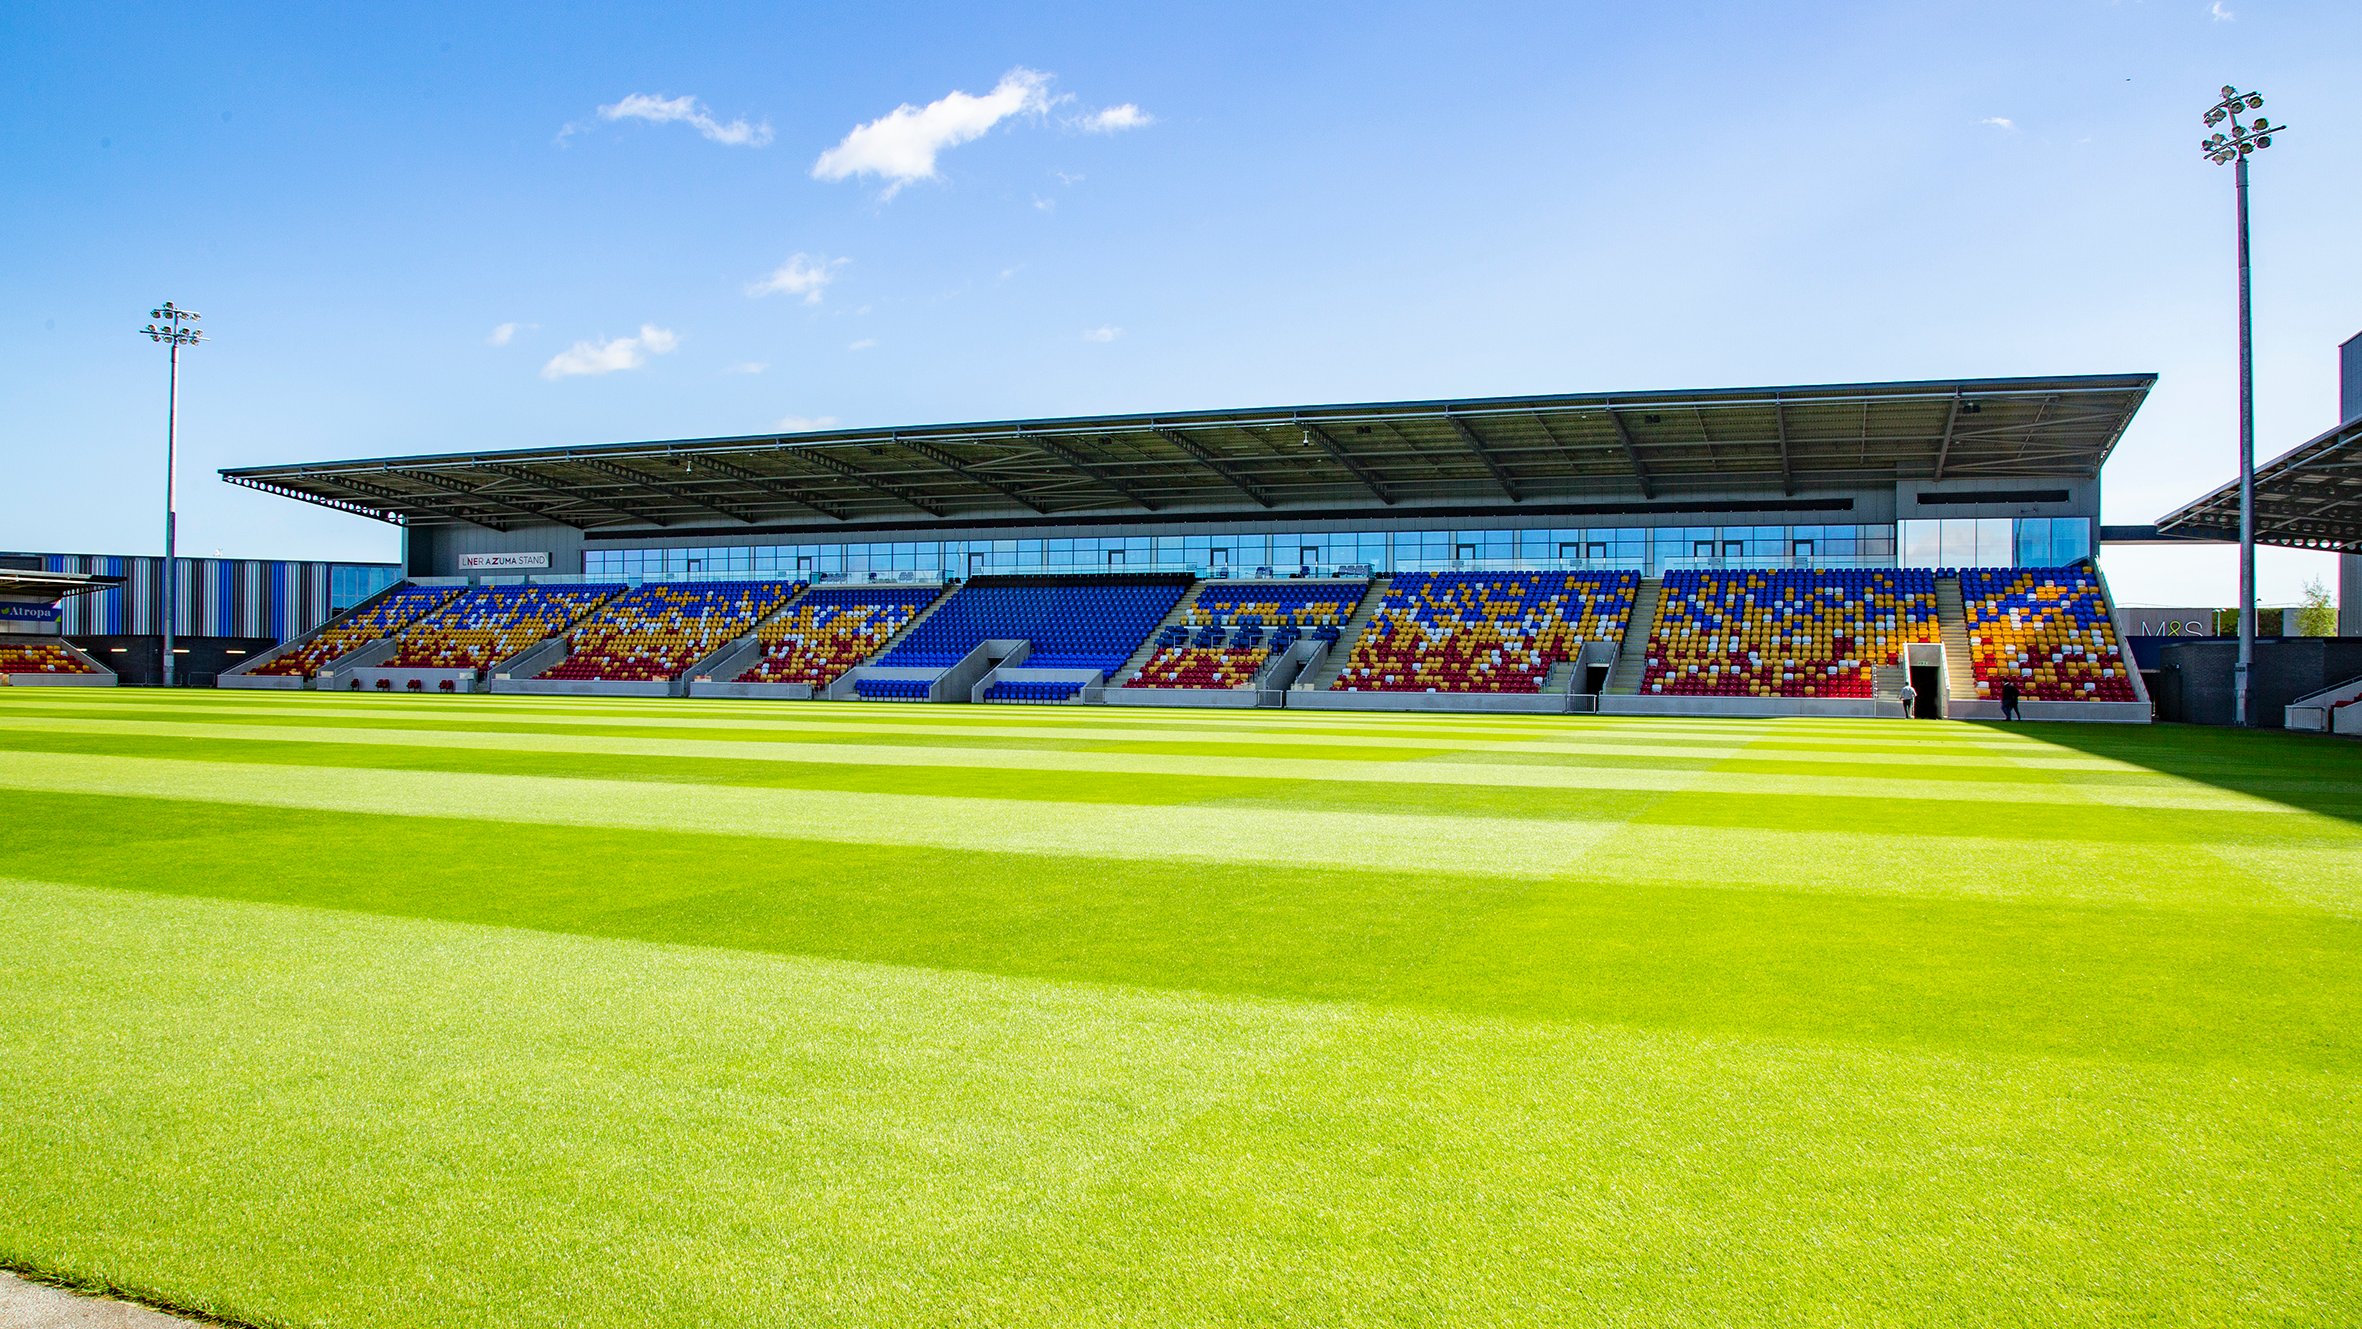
1073, 624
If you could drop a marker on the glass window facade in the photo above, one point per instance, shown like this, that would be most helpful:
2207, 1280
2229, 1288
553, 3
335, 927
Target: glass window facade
351, 583
1652, 549
1995, 542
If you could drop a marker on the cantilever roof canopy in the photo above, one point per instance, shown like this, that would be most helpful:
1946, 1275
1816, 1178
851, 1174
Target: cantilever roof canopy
1279, 461
2307, 498
21, 584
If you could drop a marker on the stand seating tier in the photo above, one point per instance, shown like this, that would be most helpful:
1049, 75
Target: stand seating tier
1484, 631
488, 624
1228, 646
1078, 623
2049, 630
1785, 633
658, 630
20, 656
394, 611
833, 629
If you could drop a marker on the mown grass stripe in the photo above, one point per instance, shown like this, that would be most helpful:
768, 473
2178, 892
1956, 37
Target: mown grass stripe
1554, 734
1937, 761
1219, 1049
1334, 839
717, 742
2132, 789
2026, 820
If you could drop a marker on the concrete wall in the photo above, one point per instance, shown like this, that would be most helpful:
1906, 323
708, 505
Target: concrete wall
433, 551
2195, 680
1751, 707
1478, 703
1220, 698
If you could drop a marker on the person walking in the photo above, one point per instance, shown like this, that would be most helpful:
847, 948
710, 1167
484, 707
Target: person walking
1910, 702
2009, 700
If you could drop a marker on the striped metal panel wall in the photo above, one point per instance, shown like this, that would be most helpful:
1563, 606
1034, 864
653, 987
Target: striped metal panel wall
217, 597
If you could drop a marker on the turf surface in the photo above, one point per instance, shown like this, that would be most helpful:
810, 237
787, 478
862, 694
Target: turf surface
485, 1011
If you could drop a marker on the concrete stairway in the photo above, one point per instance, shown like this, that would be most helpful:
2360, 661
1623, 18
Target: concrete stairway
1341, 650
1886, 681
1147, 651
1960, 678
739, 654
1632, 658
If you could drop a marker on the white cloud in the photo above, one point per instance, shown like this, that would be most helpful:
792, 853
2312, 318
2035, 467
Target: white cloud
606, 357
1042, 204
1065, 179
687, 111
1105, 332
862, 345
1999, 122
805, 424
1115, 119
2222, 13
747, 367
801, 275
507, 332
901, 146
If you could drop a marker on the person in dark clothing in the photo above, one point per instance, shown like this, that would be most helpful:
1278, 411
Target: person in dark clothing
2009, 701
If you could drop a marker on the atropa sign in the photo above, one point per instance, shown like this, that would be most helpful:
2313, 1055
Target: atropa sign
24, 611
477, 562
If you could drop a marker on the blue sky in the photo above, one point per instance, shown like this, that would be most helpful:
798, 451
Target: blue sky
1302, 203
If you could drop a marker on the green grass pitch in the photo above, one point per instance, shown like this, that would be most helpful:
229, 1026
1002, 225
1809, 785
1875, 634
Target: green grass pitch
488, 1011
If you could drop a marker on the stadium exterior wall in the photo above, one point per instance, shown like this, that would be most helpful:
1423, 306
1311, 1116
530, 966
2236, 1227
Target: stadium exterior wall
246, 599
441, 550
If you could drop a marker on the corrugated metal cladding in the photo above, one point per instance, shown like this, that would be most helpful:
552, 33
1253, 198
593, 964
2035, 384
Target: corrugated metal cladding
217, 597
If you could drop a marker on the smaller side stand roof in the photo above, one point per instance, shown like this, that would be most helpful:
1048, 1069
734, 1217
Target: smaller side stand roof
2309, 497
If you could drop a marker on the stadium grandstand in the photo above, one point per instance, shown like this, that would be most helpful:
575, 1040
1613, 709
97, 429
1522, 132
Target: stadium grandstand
1791, 550
34, 651
226, 611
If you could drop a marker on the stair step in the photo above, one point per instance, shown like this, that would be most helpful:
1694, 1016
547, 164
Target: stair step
1960, 679
1341, 649
1632, 654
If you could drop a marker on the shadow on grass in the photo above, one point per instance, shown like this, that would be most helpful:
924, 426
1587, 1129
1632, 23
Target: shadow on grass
2310, 771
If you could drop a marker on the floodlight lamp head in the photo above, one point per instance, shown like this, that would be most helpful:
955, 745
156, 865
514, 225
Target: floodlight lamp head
2255, 101
2229, 92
